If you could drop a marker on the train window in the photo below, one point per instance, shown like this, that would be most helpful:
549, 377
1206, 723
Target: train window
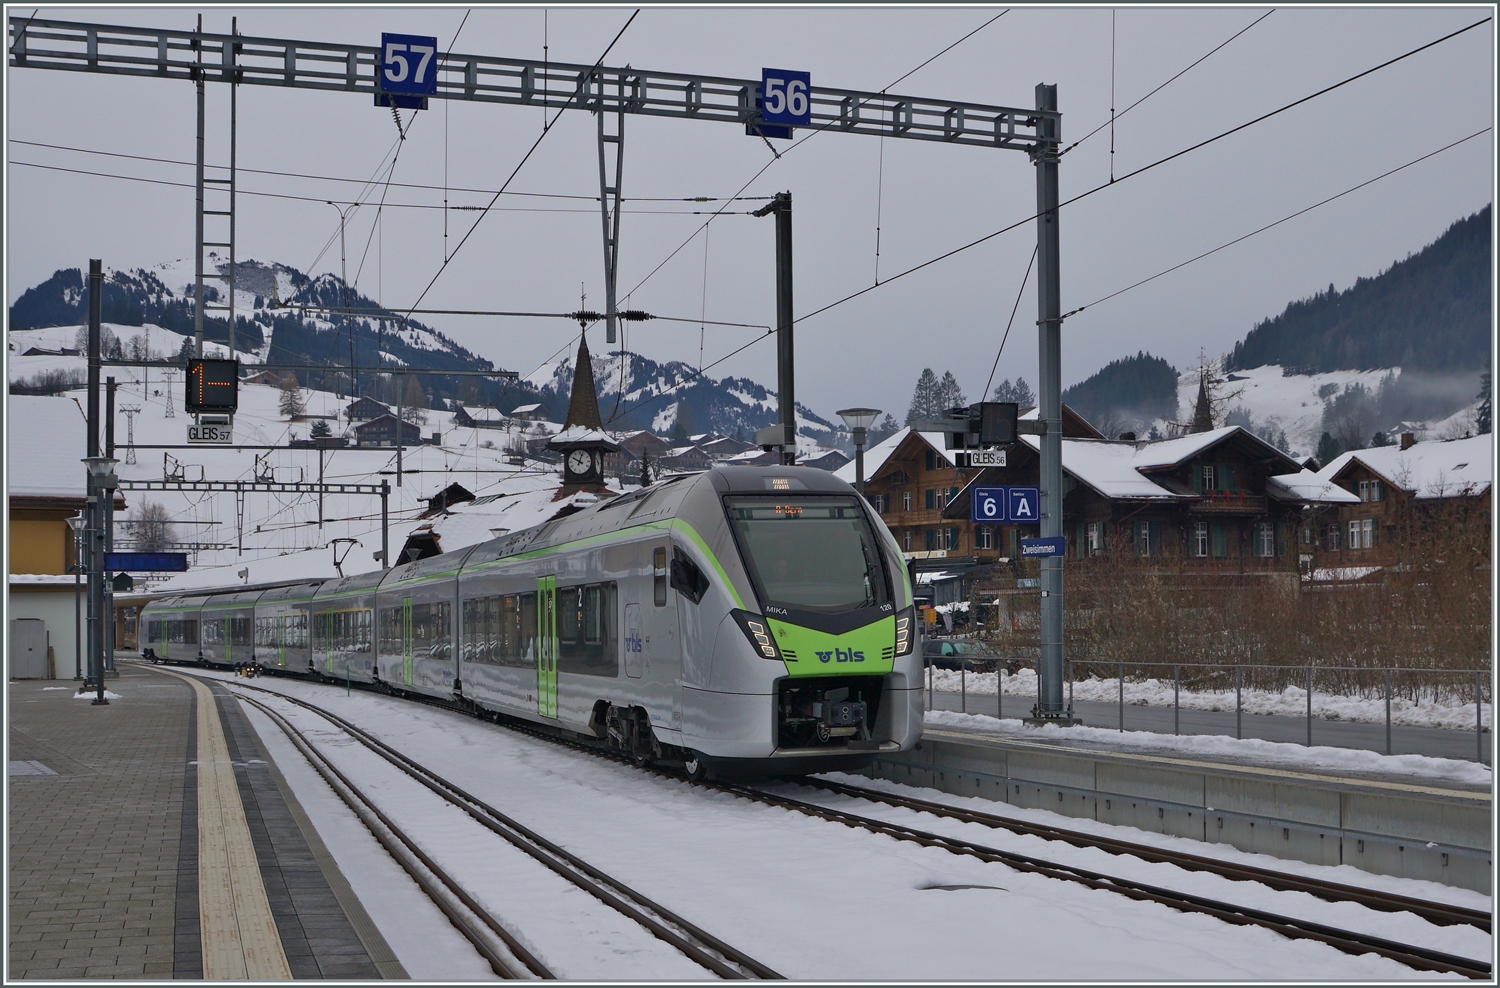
591, 647
527, 657
687, 578
659, 576
190, 631
239, 631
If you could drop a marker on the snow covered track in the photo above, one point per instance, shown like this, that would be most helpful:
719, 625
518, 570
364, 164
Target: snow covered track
1420, 958
1438, 913
514, 961
698, 945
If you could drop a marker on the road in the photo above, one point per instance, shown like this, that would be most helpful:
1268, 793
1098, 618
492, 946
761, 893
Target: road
1432, 741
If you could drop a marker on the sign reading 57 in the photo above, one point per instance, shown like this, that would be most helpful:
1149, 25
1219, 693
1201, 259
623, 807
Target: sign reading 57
408, 64
786, 97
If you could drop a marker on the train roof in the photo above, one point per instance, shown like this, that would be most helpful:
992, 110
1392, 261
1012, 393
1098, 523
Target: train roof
237, 598
351, 584
291, 591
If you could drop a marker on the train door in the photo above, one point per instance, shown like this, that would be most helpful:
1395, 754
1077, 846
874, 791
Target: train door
406, 641
663, 659
228, 632
546, 635
281, 640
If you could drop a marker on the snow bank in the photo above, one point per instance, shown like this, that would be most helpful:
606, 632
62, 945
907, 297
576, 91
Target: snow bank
1291, 701
1272, 754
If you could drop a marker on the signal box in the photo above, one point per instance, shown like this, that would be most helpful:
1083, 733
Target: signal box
212, 386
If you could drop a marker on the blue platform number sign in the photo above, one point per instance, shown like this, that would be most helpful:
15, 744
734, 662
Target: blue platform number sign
988, 505
1025, 505
786, 97
408, 64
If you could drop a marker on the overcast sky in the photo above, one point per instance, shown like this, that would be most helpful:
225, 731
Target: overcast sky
929, 198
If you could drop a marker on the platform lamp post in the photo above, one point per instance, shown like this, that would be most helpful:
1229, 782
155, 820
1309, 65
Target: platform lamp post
75, 523
103, 480
858, 420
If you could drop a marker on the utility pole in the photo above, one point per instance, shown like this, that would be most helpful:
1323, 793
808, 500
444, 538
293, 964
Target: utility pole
1049, 699
198, 254
95, 508
786, 397
106, 586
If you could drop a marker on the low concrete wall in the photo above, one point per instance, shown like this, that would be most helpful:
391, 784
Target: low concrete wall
1409, 830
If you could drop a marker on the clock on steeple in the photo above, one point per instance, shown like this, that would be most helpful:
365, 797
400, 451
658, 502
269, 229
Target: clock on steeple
583, 442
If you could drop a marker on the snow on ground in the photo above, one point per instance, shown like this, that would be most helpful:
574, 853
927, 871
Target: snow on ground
1265, 753
1291, 701
816, 900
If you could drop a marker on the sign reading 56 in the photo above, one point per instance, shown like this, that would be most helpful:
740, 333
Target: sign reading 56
786, 97
408, 64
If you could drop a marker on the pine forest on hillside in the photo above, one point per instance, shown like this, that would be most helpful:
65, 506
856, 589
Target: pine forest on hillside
1428, 312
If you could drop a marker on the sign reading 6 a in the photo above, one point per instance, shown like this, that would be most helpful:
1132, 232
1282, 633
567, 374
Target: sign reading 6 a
408, 64
786, 97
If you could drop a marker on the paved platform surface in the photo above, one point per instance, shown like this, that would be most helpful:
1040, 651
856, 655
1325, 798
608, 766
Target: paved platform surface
1435, 742
138, 849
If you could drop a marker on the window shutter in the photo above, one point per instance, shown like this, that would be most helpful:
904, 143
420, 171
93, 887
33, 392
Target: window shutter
1197, 480
1220, 539
1227, 477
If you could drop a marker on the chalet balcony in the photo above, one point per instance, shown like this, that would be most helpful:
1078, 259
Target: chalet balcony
1229, 503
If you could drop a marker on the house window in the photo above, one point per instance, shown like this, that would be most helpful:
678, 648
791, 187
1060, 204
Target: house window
1332, 540
1208, 478
906, 540
1200, 539
1355, 542
952, 541
1143, 538
1367, 533
906, 500
1265, 539
984, 537
1094, 536
1377, 491
929, 498
1369, 490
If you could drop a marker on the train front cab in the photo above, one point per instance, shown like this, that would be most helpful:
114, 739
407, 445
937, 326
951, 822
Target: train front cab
815, 667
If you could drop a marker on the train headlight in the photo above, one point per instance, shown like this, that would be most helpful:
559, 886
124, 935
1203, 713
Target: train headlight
906, 631
759, 632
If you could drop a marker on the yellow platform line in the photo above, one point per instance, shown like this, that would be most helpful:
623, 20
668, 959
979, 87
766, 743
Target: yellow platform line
238, 932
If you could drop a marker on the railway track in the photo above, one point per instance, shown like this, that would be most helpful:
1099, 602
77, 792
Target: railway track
1421, 958
700, 946
1438, 913
1352, 942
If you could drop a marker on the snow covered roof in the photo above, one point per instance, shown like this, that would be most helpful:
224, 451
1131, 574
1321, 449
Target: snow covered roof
876, 455
1111, 468
582, 434
1306, 486
1170, 452
524, 501
307, 564
1428, 469
46, 440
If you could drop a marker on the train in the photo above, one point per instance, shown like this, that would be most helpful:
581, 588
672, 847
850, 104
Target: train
744, 620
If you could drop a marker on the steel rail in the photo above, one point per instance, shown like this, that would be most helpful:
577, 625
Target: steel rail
1438, 913
699, 945
1350, 942
432, 879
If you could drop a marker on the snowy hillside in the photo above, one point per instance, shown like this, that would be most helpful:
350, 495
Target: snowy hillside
1271, 403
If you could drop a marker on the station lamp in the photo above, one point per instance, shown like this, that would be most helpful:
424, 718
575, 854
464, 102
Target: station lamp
858, 420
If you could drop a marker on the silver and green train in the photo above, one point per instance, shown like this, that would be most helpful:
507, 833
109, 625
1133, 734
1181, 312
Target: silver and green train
744, 618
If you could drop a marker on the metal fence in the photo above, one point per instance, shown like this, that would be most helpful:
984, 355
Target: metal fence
1346, 681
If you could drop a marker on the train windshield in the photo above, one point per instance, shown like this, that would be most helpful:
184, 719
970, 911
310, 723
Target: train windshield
809, 553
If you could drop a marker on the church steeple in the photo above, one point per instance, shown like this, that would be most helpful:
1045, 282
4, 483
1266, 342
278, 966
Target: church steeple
1203, 416
582, 441
583, 404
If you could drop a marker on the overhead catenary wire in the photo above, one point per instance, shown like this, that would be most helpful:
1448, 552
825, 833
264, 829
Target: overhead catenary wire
1144, 168
1110, 123
519, 165
372, 180
1276, 223
1001, 349
798, 143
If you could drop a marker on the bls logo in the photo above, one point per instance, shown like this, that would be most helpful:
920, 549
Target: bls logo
633, 643
841, 655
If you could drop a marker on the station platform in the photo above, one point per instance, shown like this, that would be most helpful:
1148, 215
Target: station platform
1385, 823
152, 838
